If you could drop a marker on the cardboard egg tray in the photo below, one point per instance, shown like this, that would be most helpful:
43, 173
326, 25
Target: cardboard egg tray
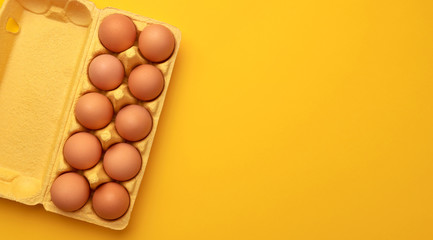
45, 50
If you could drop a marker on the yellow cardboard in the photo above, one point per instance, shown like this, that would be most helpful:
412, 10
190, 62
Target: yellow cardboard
45, 49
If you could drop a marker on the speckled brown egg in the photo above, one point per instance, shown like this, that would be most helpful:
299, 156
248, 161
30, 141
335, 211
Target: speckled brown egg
82, 150
122, 161
117, 32
146, 82
106, 72
110, 201
133, 122
94, 110
156, 43
70, 191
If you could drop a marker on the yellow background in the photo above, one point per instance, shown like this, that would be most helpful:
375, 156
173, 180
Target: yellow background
283, 120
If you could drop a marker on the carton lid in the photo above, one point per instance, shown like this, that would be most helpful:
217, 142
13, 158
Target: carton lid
42, 44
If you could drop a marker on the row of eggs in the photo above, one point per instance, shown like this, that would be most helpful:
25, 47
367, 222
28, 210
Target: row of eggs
70, 191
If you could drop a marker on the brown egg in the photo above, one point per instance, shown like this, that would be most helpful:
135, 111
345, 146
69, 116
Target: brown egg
110, 201
133, 122
117, 32
94, 110
106, 72
146, 82
156, 43
122, 162
82, 150
70, 191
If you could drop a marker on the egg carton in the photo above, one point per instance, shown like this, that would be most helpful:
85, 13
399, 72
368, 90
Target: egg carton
45, 50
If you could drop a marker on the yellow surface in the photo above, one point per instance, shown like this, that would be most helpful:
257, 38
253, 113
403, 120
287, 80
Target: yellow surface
298, 120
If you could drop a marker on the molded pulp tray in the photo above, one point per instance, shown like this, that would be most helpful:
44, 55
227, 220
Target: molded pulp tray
43, 71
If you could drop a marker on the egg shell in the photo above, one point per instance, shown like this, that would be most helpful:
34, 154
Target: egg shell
117, 32
106, 72
122, 161
146, 82
82, 150
156, 43
110, 201
133, 122
70, 191
94, 110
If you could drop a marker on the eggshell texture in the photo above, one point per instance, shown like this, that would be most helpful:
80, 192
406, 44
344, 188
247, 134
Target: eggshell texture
70, 191
94, 110
117, 32
156, 43
106, 72
133, 122
82, 150
110, 201
122, 161
146, 82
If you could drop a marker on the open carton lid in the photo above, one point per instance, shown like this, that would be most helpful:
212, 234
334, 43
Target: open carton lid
42, 44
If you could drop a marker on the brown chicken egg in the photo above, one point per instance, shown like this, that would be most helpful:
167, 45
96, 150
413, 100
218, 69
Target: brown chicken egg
122, 161
82, 150
106, 72
70, 191
117, 32
110, 201
94, 110
133, 122
146, 82
156, 43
